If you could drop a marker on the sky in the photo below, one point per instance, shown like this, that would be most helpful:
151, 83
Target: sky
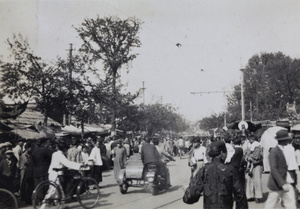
217, 38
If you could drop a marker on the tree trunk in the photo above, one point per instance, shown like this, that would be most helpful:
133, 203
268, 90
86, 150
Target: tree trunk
113, 117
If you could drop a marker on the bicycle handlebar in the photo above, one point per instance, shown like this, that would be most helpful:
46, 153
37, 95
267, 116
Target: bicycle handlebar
81, 168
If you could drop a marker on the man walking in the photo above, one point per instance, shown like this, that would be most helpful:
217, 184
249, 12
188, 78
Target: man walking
280, 180
219, 182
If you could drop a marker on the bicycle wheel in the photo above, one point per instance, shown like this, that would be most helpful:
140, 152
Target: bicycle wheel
88, 193
7, 200
47, 195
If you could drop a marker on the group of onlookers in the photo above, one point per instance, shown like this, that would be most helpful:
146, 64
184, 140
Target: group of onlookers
26, 163
244, 155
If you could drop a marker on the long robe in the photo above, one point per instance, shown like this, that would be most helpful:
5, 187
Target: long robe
120, 157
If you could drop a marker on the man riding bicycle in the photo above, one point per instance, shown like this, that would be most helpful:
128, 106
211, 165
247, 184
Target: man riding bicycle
59, 161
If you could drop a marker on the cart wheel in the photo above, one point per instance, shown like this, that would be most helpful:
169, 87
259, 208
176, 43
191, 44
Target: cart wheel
124, 188
154, 190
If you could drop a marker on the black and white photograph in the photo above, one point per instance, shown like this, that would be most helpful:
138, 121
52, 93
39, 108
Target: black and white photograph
153, 104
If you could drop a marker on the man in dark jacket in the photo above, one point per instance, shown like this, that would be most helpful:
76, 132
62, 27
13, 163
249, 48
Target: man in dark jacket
41, 159
150, 155
219, 182
238, 161
280, 180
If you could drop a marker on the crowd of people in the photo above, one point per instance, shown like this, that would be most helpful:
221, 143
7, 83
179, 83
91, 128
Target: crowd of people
24, 164
243, 162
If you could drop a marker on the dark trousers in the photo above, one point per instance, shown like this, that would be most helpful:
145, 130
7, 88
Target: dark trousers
97, 173
7, 182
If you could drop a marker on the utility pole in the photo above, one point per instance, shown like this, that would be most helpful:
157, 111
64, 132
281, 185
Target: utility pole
242, 95
143, 92
67, 120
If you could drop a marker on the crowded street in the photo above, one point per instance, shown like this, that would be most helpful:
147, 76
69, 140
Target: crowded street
140, 197
136, 104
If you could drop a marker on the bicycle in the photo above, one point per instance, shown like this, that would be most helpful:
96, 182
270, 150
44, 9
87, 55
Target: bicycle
50, 194
7, 200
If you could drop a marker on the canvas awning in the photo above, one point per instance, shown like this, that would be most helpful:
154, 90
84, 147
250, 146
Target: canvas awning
295, 127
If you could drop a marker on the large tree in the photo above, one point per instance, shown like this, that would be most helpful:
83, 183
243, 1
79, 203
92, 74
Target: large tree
110, 40
270, 82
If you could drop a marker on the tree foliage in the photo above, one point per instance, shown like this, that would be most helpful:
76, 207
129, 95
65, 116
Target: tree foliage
271, 81
214, 121
157, 117
21, 74
110, 40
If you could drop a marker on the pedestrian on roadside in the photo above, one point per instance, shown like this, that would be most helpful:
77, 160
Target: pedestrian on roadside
24, 161
8, 169
280, 179
199, 155
181, 146
238, 160
41, 159
120, 157
18, 149
26, 181
175, 147
254, 170
95, 157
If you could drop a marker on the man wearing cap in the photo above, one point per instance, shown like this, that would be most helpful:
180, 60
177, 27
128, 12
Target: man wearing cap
8, 168
281, 180
220, 182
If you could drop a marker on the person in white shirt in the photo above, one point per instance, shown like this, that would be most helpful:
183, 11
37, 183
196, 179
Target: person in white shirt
58, 161
95, 156
199, 155
230, 149
18, 150
181, 146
